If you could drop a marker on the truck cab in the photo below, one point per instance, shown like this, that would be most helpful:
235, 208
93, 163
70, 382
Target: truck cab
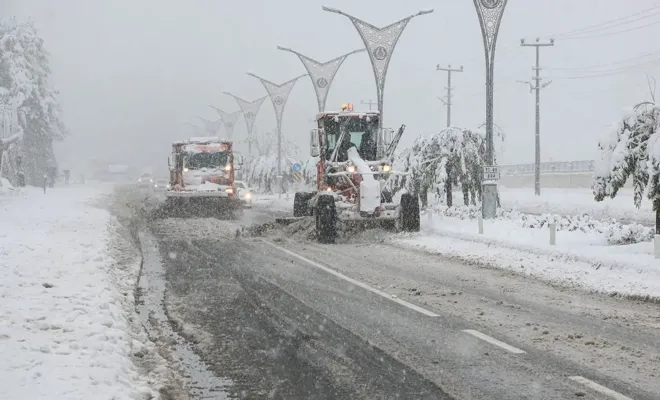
202, 180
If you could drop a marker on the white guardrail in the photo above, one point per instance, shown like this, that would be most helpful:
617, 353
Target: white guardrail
554, 167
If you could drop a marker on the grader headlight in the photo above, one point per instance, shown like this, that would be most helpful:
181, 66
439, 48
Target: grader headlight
350, 169
387, 168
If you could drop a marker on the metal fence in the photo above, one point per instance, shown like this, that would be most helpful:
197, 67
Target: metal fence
555, 167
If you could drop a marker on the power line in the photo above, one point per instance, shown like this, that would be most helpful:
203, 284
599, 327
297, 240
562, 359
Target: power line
616, 71
602, 25
604, 64
611, 33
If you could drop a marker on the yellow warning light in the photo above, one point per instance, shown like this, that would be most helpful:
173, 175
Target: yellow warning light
344, 107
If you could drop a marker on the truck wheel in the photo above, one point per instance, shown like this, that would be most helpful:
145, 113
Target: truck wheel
300, 204
326, 219
409, 213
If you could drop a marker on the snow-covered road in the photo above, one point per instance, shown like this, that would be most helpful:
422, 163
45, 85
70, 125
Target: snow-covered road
67, 315
284, 314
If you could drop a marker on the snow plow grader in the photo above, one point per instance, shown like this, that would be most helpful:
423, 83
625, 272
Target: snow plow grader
202, 179
354, 167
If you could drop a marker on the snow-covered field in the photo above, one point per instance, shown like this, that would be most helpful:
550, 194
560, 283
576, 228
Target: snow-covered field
577, 201
68, 328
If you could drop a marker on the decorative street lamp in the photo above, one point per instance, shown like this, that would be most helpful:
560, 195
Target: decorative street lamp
197, 130
278, 95
321, 74
380, 43
490, 15
228, 120
250, 110
211, 127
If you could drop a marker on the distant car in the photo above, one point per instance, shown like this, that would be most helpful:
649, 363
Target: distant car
244, 193
161, 185
145, 181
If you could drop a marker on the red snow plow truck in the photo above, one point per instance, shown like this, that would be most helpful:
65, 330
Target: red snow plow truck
202, 179
353, 175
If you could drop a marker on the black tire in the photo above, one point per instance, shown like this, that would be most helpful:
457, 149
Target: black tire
409, 213
389, 225
326, 219
300, 207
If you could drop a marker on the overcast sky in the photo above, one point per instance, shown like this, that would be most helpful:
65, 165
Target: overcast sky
130, 72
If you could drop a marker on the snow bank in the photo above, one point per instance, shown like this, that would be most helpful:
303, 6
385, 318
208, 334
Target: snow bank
615, 232
67, 320
6, 187
573, 201
274, 202
579, 258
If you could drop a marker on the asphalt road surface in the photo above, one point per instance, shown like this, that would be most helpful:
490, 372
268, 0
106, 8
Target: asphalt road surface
285, 318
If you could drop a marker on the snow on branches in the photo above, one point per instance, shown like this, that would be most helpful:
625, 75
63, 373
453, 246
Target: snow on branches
451, 157
25, 89
631, 150
628, 151
261, 171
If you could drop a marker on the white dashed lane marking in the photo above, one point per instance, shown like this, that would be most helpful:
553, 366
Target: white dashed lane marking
599, 388
579, 379
494, 341
354, 281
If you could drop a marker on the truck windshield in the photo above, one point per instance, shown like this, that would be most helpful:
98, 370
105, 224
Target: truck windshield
359, 133
205, 160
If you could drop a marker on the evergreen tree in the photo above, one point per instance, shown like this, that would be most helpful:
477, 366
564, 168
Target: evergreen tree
631, 150
24, 86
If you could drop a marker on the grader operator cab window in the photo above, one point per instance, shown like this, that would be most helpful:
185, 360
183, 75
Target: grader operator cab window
360, 133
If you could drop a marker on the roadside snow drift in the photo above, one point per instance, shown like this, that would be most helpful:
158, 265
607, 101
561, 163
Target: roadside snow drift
581, 257
66, 303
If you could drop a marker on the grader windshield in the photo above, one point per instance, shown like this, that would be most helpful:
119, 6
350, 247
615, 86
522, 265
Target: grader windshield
361, 132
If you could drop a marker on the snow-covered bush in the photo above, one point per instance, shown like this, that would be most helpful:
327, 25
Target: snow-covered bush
615, 232
5, 187
618, 233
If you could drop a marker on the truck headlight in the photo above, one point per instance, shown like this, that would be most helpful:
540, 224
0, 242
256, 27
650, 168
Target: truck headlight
228, 167
229, 190
351, 169
185, 170
248, 196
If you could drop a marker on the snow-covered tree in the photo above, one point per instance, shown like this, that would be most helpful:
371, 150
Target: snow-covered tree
25, 87
451, 157
631, 150
261, 171
309, 171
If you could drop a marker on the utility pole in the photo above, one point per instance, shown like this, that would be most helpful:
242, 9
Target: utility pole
449, 70
537, 86
369, 103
